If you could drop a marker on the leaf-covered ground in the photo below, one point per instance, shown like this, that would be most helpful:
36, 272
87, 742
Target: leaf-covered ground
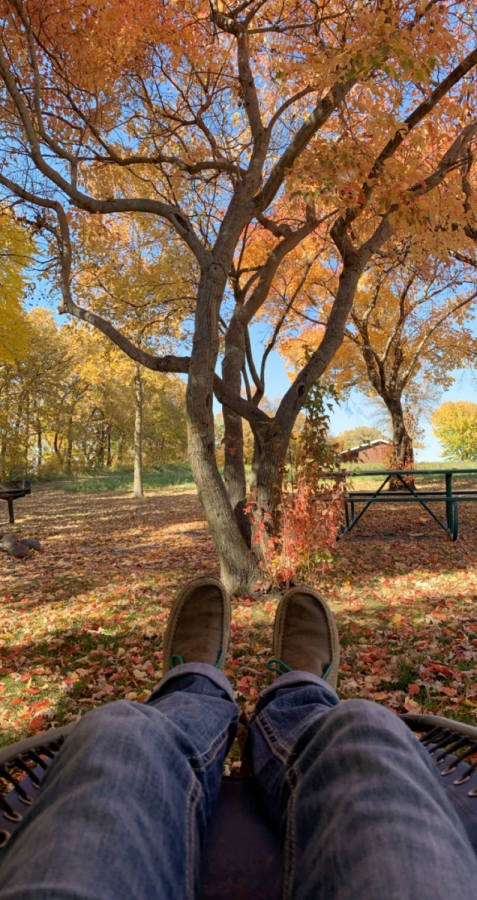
82, 623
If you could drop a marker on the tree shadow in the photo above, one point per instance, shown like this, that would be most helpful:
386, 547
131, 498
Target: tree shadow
72, 669
394, 540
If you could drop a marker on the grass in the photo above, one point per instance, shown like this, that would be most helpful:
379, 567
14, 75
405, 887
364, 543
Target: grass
165, 476
364, 482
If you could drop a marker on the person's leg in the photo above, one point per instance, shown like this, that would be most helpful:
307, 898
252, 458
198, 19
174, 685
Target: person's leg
124, 808
362, 811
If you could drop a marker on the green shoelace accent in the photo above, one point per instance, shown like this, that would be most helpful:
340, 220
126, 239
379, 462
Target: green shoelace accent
220, 659
277, 665
177, 660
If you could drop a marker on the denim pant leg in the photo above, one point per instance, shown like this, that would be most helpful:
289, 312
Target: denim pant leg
123, 810
362, 811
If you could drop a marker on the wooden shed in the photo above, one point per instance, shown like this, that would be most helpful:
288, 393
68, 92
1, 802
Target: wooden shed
375, 452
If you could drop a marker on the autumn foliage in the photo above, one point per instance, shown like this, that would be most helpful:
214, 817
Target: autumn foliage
68, 405
301, 544
261, 145
455, 425
310, 516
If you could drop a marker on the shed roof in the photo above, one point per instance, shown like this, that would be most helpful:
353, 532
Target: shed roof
368, 444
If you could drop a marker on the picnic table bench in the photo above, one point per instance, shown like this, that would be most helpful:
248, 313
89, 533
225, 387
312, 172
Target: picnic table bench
11, 491
410, 494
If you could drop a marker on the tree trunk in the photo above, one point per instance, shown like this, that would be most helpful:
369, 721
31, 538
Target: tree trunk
403, 451
269, 472
138, 490
234, 468
5, 433
266, 481
27, 433
232, 365
100, 447
3, 453
69, 445
109, 456
39, 444
237, 563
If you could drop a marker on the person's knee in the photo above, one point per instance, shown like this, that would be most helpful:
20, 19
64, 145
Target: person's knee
354, 718
114, 720
353, 724
365, 711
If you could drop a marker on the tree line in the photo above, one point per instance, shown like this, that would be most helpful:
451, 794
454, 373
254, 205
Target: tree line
70, 403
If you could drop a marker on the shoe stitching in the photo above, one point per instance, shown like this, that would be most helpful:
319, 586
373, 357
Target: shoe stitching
184, 598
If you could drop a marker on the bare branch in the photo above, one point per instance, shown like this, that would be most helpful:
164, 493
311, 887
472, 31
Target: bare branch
317, 118
174, 215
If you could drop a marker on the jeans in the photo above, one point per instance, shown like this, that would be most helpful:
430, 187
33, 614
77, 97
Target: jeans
123, 811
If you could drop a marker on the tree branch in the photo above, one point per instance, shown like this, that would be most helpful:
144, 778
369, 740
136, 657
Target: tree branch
174, 215
409, 123
317, 118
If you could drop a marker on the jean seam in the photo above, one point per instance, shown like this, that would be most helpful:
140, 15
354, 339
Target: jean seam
193, 795
290, 837
272, 739
202, 760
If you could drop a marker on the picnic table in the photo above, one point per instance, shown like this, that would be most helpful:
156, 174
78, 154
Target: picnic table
13, 490
451, 496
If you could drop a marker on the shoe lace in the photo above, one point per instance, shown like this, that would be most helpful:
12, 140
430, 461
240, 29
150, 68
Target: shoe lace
178, 660
280, 667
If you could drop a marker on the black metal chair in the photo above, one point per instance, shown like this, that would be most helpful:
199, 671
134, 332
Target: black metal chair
243, 857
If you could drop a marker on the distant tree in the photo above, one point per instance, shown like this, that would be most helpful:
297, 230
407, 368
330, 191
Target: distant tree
410, 327
127, 272
68, 404
355, 437
455, 425
14, 259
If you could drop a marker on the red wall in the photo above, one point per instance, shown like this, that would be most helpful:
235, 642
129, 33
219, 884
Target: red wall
379, 453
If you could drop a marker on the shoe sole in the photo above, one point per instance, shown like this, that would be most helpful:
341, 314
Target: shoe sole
176, 610
278, 629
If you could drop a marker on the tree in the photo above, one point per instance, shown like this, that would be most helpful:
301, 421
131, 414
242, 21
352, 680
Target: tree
355, 437
125, 271
266, 123
68, 404
455, 424
409, 328
15, 255
32, 388
401, 326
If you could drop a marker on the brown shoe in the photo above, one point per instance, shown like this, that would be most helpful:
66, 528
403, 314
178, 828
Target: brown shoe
198, 628
305, 635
